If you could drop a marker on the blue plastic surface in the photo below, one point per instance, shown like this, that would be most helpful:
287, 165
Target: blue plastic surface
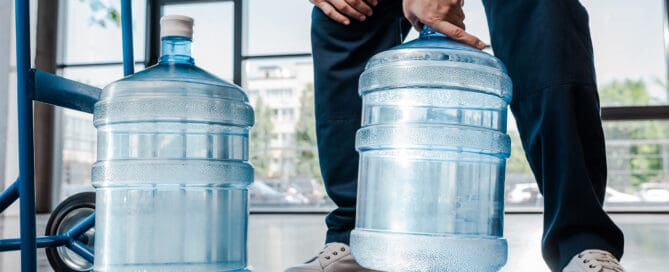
172, 172
433, 147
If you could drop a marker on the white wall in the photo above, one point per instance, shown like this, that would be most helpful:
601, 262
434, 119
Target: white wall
5, 24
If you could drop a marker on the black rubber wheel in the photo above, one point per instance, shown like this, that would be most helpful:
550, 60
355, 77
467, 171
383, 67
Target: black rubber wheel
68, 214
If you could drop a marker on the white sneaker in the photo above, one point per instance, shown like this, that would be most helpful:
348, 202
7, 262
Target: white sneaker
335, 257
593, 260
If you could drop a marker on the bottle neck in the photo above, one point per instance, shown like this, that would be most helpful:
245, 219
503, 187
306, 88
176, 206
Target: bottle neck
176, 49
428, 33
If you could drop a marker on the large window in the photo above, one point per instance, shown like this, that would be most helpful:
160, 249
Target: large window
268, 53
270, 32
629, 51
90, 52
277, 63
283, 100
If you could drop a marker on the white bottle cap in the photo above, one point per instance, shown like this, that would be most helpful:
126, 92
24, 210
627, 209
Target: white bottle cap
176, 25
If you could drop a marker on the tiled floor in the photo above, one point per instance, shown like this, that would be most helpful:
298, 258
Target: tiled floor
277, 241
11, 261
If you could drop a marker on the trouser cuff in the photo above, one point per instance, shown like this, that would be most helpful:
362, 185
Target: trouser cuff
338, 237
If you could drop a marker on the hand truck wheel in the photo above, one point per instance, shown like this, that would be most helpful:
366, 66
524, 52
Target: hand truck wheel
67, 215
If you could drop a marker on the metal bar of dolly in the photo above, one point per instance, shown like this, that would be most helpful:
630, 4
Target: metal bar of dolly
63, 92
8, 196
82, 250
126, 33
73, 239
41, 242
26, 148
82, 227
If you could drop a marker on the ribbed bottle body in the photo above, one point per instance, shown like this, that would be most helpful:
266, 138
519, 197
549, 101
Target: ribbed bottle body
172, 172
433, 147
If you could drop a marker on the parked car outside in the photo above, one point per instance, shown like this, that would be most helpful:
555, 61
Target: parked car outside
528, 193
525, 193
261, 194
654, 192
311, 188
614, 196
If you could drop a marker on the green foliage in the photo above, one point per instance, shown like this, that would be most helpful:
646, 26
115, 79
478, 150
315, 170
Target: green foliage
307, 161
632, 158
261, 134
517, 163
635, 160
625, 93
102, 12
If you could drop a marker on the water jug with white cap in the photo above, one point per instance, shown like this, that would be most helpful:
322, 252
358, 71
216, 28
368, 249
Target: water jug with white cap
172, 169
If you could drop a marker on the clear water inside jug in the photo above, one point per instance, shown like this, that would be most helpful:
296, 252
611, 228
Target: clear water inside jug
432, 146
172, 172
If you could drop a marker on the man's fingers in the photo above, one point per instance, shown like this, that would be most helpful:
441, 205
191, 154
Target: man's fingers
456, 18
360, 6
331, 12
411, 17
413, 20
457, 33
417, 25
342, 10
343, 7
459, 15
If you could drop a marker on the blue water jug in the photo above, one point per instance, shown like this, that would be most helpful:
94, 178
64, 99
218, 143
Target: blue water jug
172, 172
433, 148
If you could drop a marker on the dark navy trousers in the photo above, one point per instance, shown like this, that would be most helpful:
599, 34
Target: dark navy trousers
546, 47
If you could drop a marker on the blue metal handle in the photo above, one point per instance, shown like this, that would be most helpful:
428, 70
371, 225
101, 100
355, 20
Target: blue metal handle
26, 148
42, 242
126, 33
9, 195
63, 92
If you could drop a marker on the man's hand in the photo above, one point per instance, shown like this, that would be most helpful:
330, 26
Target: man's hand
444, 16
342, 10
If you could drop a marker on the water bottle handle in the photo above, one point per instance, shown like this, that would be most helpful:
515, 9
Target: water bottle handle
428, 32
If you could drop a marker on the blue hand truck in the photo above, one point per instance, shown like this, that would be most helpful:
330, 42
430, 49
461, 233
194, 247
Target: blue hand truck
71, 224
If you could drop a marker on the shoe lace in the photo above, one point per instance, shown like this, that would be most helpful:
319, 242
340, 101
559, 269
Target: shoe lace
600, 261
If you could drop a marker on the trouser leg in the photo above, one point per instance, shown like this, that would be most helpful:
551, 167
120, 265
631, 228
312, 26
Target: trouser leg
340, 53
547, 48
